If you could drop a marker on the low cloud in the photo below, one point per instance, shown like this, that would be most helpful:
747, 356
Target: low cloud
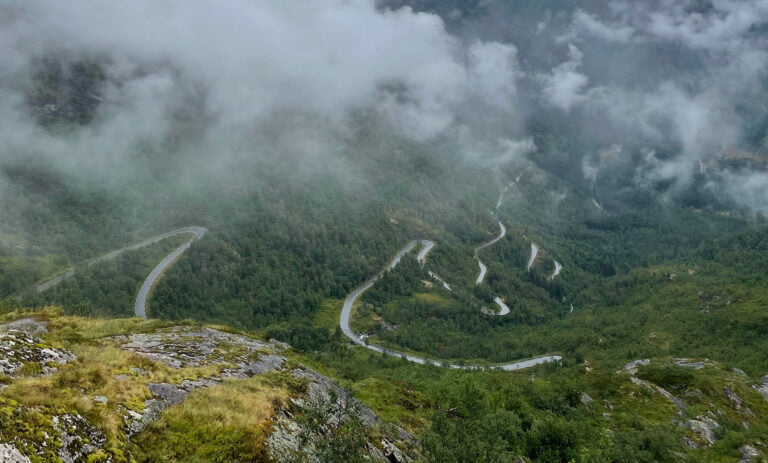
223, 82
238, 66
588, 24
565, 85
678, 73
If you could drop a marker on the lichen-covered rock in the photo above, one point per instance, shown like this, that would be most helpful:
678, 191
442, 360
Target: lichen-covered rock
10, 454
704, 427
78, 437
165, 395
21, 353
180, 347
762, 388
748, 453
632, 366
135, 392
736, 400
290, 435
187, 347
264, 364
27, 325
42, 434
687, 363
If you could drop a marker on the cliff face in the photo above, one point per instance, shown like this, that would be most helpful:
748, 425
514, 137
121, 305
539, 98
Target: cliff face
77, 389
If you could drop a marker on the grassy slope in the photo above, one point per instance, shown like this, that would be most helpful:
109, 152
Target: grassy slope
415, 397
231, 422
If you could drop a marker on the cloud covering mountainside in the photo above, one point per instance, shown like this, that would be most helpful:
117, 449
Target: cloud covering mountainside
216, 83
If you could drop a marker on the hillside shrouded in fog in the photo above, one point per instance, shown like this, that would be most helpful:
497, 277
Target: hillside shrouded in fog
105, 92
391, 187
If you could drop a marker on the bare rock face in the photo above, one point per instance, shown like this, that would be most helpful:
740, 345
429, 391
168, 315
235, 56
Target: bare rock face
264, 364
68, 438
762, 388
690, 443
78, 437
689, 364
188, 347
21, 353
736, 400
748, 453
181, 347
632, 367
291, 436
315, 409
27, 325
165, 395
704, 427
10, 454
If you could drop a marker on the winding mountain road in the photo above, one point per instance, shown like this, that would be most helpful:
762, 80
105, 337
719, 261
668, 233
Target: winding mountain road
534, 253
483, 268
349, 302
428, 245
504, 308
556, 272
502, 234
151, 280
140, 306
483, 271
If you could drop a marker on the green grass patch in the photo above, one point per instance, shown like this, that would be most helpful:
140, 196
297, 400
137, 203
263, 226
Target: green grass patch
328, 315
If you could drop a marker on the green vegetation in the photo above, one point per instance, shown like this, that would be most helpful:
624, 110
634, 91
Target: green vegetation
542, 414
106, 288
658, 273
222, 424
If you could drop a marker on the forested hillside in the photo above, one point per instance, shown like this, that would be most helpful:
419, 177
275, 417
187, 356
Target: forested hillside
577, 192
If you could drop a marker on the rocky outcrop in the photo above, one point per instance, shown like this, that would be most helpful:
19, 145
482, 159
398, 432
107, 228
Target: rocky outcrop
292, 435
686, 363
632, 367
748, 454
26, 325
247, 357
736, 401
185, 347
762, 388
78, 438
68, 438
164, 396
138, 392
704, 427
23, 354
10, 454
653, 387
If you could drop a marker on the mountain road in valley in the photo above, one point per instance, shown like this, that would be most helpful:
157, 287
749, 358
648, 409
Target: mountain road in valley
349, 302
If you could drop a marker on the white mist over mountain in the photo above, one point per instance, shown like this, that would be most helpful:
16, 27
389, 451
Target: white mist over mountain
225, 81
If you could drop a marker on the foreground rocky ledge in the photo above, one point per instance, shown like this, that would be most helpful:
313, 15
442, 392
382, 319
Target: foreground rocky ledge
76, 389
